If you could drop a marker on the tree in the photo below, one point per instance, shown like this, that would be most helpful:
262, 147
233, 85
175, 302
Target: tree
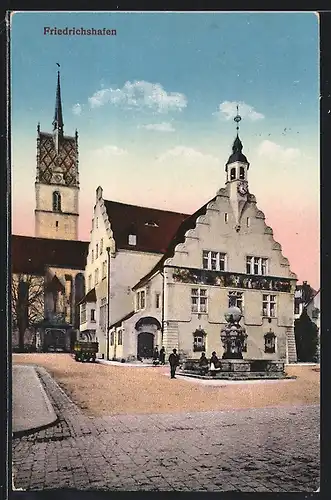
27, 303
306, 337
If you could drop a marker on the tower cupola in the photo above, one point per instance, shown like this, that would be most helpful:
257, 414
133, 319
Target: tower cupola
237, 165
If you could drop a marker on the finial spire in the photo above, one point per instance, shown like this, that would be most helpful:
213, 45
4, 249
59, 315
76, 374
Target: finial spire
237, 119
58, 118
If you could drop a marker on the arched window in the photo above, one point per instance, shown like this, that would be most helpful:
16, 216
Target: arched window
232, 174
242, 173
56, 201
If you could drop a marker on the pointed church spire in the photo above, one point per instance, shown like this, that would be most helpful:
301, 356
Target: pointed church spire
58, 118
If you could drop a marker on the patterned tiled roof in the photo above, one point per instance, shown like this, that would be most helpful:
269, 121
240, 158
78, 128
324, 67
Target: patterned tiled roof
49, 161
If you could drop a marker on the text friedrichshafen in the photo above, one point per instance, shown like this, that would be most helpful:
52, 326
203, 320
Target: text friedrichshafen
79, 31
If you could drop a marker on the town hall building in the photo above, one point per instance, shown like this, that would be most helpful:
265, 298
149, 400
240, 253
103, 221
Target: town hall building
169, 278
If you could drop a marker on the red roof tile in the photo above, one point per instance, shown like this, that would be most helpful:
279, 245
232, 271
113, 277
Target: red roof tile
179, 237
154, 228
31, 255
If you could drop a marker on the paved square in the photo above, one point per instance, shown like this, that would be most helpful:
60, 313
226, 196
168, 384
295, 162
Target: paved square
273, 449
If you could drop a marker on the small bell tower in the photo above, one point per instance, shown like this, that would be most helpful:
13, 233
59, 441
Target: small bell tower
236, 170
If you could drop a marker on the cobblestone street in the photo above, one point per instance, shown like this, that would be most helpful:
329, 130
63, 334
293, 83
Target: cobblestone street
273, 449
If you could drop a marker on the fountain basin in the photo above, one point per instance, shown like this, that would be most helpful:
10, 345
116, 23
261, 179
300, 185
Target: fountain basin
238, 369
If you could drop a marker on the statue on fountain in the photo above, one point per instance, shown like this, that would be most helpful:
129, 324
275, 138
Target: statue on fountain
233, 335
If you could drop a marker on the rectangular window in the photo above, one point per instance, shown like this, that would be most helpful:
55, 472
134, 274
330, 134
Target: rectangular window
157, 300
103, 314
96, 276
236, 299
93, 315
256, 265
96, 250
140, 300
92, 256
198, 343
112, 338
119, 337
270, 343
226, 218
199, 300
269, 306
101, 246
214, 261
97, 223
248, 222
83, 314
104, 269
90, 282
132, 239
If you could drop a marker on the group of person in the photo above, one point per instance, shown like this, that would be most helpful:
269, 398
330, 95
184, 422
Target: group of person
159, 357
205, 365
212, 366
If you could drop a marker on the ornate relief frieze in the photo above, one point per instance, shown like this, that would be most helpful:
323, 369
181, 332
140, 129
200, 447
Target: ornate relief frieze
231, 280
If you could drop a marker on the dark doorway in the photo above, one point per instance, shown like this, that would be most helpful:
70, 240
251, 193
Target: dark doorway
56, 340
145, 345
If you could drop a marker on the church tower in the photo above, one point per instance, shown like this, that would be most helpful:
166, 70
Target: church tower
57, 181
236, 177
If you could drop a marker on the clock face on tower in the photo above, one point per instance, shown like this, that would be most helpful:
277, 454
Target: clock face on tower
242, 188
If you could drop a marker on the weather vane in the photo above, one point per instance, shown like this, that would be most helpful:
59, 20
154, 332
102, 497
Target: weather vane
237, 118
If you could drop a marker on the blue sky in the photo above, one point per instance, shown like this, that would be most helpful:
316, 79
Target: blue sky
154, 104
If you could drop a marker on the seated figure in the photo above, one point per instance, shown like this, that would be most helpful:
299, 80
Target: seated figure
214, 364
203, 364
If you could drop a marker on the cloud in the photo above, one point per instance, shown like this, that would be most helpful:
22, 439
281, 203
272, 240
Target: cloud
77, 109
188, 154
276, 152
109, 150
229, 110
140, 95
159, 127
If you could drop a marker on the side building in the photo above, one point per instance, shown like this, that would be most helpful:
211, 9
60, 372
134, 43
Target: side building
47, 284
126, 242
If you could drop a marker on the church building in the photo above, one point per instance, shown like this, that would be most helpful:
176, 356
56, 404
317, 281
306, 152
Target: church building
222, 255
48, 269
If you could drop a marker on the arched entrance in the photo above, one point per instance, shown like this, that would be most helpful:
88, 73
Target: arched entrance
147, 328
55, 339
145, 345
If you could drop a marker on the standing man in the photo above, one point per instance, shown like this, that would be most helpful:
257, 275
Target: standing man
174, 362
162, 356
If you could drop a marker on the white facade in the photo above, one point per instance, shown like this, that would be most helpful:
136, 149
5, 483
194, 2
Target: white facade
229, 254
112, 272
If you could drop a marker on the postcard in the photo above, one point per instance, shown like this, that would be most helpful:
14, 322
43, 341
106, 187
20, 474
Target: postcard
165, 251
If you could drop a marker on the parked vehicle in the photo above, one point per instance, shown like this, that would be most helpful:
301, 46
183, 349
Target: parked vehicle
85, 351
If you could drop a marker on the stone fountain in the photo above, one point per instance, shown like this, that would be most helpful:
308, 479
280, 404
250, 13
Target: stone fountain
233, 365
